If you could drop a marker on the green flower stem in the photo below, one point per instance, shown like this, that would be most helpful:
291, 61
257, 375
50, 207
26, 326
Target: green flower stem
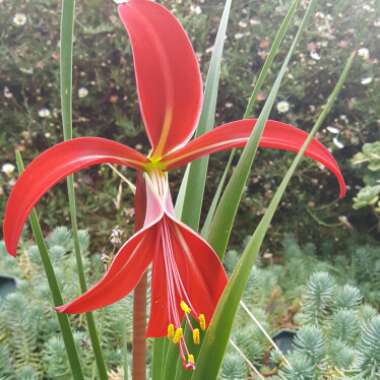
63, 320
66, 64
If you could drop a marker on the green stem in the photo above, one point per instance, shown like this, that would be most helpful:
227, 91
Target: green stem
139, 327
63, 320
66, 65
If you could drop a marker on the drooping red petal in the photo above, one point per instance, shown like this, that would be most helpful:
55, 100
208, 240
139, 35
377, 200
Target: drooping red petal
200, 270
159, 306
128, 266
167, 74
276, 135
52, 166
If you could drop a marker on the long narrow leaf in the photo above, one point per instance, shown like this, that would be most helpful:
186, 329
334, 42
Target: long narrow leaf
225, 214
279, 37
194, 182
212, 351
66, 65
63, 320
215, 200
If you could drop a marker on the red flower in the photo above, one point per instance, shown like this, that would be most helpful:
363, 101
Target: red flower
187, 276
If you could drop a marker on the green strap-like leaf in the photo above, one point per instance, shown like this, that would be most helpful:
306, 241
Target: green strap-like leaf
225, 214
193, 184
279, 37
63, 320
66, 68
216, 339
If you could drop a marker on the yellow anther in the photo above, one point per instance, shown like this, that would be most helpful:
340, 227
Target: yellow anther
196, 336
202, 321
185, 307
170, 331
177, 335
190, 359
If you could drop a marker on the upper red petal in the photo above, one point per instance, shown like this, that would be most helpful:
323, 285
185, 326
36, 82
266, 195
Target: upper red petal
123, 275
52, 166
168, 79
276, 135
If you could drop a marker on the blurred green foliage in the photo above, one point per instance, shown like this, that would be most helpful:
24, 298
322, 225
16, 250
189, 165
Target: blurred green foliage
369, 194
30, 343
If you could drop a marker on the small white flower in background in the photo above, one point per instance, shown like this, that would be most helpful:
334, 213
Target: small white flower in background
238, 36
333, 130
8, 169
338, 143
27, 70
47, 135
283, 106
44, 112
209, 50
7, 93
82, 92
363, 53
228, 105
243, 24
314, 55
366, 81
196, 9
19, 19
116, 235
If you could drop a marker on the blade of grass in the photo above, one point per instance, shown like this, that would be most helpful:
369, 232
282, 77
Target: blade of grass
66, 65
249, 363
194, 184
63, 320
158, 360
278, 39
220, 229
215, 200
218, 333
261, 328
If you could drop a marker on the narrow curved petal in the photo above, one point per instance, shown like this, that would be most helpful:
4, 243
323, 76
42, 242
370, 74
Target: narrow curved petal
167, 74
276, 135
195, 265
123, 275
52, 166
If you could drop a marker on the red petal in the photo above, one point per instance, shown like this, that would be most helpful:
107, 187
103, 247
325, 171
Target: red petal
159, 308
122, 276
168, 79
276, 135
52, 166
201, 272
